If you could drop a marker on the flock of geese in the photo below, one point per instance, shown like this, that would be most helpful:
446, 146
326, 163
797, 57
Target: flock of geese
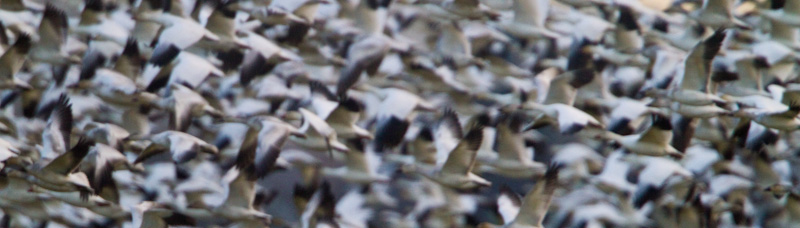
399, 113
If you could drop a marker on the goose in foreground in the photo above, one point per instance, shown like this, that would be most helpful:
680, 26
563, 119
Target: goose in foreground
529, 212
59, 175
182, 146
12, 61
457, 170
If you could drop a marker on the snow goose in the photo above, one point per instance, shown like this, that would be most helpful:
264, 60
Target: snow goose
52, 37
529, 212
557, 107
459, 9
717, 14
457, 170
655, 141
58, 175
11, 63
693, 98
56, 137
319, 135
96, 23
366, 54
782, 119
152, 214
789, 14
183, 147
344, 117
185, 105
513, 160
179, 67
529, 20
238, 205
222, 24
131, 62
393, 114
263, 141
263, 56
178, 32
107, 133
109, 85
298, 30
360, 166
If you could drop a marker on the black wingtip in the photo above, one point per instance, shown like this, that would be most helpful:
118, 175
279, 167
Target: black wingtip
650, 193
91, 62
320, 88
131, 48
425, 134
551, 175
23, 42
661, 122
390, 133
714, 44
95, 5
164, 54
627, 19
474, 137
350, 104
661, 25
450, 119
230, 59
255, 66
581, 78
82, 147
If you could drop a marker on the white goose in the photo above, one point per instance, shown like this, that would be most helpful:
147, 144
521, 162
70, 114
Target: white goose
182, 146
11, 62
655, 141
529, 20
457, 170
513, 160
178, 32
319, 135
557, 107
360, 165
52, 37
531, 210
717, 14
789, 14
58, 175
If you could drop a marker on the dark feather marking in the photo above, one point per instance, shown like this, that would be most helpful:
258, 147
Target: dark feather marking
230, 59
164, 54
627, 19
390, 133
320, 88
178, 219
91, 62
252, 68
297, 32
713, 44
581, 77
661, 122
450, 120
